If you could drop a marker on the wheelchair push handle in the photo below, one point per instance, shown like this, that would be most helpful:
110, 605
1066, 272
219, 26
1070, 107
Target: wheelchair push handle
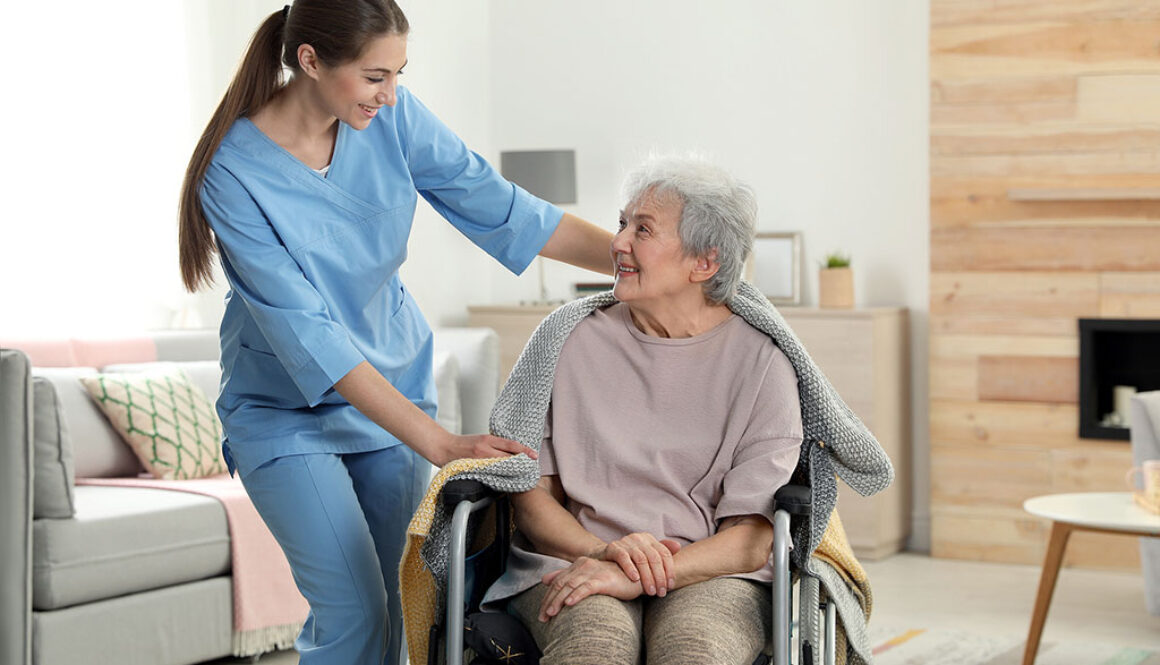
465, 489
794, 499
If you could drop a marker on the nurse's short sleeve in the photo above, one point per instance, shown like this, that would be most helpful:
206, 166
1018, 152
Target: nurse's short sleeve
768, 453
499, 217
315, 350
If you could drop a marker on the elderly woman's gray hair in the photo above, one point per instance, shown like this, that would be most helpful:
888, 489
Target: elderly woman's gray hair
718, 212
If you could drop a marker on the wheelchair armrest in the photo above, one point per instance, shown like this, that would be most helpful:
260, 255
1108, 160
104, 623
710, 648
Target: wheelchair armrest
794, 499
466, 489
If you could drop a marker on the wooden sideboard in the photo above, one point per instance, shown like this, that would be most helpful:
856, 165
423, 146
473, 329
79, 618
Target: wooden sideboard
864, 352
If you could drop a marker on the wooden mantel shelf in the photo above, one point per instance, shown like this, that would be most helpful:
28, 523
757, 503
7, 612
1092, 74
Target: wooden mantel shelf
1085, 194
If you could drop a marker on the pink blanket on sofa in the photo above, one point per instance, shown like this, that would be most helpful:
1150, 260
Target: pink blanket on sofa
268, 609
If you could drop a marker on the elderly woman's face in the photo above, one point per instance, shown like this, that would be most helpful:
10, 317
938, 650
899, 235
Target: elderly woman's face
647, 255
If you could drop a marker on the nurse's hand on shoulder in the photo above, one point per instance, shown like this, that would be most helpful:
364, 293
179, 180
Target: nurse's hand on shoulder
458, 446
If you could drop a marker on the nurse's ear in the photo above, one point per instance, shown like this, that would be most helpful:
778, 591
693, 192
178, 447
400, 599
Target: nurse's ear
308, 61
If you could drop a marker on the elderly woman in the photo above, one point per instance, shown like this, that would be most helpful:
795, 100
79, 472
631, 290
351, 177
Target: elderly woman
671, 423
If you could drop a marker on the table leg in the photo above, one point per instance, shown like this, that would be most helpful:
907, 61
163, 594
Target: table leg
1051, 564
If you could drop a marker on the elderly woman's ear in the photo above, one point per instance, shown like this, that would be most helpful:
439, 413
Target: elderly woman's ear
705, 267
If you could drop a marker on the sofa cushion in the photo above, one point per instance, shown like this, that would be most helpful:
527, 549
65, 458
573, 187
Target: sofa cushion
477, 352
53, 471
205, 374
182, 345
124, 540
447, 389
165, 419
98, 451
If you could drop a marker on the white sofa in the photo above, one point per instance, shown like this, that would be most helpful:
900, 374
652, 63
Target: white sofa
128, 575
1146, 446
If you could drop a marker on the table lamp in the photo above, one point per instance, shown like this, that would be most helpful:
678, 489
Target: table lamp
548, 174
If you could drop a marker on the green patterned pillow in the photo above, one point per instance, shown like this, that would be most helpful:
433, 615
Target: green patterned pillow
165, 419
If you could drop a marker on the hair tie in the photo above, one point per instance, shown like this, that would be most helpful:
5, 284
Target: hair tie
285, 13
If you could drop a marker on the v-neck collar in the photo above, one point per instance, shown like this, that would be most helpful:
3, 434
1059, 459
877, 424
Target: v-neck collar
297, 170
339, 141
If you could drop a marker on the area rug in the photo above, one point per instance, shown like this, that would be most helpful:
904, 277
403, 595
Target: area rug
920, 646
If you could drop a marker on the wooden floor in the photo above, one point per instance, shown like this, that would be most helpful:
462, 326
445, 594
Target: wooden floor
916, 591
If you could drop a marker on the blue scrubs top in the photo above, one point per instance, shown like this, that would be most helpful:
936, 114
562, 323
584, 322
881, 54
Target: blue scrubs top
313, 263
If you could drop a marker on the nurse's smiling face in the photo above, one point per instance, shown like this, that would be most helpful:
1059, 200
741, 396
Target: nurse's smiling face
354, 91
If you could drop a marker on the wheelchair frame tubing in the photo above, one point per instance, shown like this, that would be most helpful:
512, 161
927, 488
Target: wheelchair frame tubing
456, 566
831, 639
782, 590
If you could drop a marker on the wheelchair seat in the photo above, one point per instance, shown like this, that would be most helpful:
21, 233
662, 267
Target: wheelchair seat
494, 637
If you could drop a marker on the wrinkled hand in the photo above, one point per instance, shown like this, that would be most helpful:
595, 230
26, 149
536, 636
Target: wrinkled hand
644, 559
477, 446
585, 577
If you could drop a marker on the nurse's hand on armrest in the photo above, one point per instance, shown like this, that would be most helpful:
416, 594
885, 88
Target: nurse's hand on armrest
370, 392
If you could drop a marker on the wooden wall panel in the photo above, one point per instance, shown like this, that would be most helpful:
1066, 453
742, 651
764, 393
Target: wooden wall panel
973, 346
979, 477
1045, 208
954, 378
1101, 99
1090, 467
975, 12
1024, 294
1088, 42
994, 210
1036, 90
1102, 551
958, 201
1130, 295
1122, 248
1006, 535
1051, 139
983, 324
1002, 113
1010, 426
1141, 160
1023, 379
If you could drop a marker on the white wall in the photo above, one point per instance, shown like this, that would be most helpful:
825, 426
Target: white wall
448, 68
821, 107
95, 130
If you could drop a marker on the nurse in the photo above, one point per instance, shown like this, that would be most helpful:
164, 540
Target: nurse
306, 190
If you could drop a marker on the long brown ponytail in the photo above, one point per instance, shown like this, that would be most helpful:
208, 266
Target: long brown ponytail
337, 31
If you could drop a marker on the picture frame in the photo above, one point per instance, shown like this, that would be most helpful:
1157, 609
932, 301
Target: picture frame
775, 266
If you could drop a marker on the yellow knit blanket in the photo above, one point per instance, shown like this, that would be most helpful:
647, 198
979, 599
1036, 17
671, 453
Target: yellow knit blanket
416, 582
418, 588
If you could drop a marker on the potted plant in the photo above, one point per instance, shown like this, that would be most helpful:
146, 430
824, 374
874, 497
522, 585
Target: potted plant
836, 281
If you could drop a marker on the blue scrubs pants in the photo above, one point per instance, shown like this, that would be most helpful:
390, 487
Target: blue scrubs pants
342, 521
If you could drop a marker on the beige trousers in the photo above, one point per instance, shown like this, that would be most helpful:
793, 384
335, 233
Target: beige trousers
721, 621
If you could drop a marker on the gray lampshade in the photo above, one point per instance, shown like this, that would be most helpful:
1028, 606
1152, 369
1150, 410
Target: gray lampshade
548, 174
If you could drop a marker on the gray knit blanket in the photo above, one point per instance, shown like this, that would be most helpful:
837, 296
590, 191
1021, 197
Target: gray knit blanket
835, 441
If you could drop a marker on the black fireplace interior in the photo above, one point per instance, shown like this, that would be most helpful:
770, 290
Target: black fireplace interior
1114, 352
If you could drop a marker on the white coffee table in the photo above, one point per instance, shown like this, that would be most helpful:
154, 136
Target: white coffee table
1102, 512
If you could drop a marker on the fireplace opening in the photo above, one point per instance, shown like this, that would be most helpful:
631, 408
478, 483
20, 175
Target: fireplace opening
1117, 358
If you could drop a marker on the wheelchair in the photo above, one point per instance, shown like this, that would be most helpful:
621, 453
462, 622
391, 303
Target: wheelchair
470, 502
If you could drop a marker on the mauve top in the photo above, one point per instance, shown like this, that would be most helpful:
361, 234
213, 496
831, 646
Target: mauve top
664, 436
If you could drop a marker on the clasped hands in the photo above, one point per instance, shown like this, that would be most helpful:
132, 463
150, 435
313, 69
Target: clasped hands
624, 569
